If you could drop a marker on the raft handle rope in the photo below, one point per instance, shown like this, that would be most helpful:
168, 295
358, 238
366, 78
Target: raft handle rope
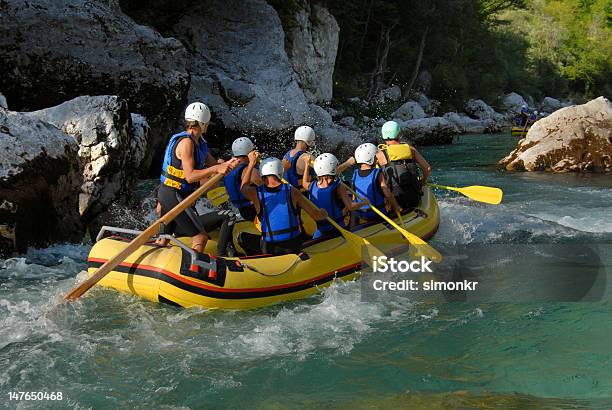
172, 239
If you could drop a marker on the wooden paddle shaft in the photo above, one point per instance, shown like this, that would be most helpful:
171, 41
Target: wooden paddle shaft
140, 240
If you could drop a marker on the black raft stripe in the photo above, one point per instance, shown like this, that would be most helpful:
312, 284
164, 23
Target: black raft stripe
131, 270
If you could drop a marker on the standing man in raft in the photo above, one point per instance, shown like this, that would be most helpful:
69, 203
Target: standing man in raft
187, 163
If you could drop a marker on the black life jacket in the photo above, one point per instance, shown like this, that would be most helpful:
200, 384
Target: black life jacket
402, 175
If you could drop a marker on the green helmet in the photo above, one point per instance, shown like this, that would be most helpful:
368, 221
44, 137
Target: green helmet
390, 130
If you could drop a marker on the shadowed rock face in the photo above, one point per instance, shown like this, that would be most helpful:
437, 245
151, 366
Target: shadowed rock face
52, 51
40, 178
313, 44
577, 139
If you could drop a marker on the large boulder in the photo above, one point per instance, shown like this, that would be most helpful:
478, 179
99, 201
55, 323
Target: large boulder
393, 93
550, 104
513, 102
469, 125
52, 51
111, 148
479, 109
40, 180
577, 138
429, 131
312, 48
410, 110
240, 68
429, 106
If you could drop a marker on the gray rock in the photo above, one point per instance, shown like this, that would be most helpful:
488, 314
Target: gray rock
313, 44
40, 179
410, 110
512, 102
550, 104
3, 103
469, 125
52, 51
239, 66
393, 93
429, 106
347, 121
139, 139
102, 127
479, 109
428, 131
572, 139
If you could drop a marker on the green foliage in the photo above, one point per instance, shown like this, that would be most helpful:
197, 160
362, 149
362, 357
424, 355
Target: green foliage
478, 48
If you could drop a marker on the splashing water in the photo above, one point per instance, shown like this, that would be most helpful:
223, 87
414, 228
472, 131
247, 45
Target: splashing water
331, 350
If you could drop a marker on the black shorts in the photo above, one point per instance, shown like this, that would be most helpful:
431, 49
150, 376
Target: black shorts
188, 222
248, 212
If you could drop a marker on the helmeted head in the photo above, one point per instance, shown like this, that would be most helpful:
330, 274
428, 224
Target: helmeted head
535, 113
271, 167
390, 130
242, 146
366, 153
326, 164
197, 111
197, 114
306, 134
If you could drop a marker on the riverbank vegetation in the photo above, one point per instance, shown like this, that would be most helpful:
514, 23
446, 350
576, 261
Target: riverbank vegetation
460, 49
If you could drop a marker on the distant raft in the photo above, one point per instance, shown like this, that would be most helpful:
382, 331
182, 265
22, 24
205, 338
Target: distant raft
176, 275
520, 131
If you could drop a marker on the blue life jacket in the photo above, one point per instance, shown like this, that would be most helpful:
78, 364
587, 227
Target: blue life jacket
172, 173
279, 221
326, 198
533, 118
232, 185
291, 175
369, 188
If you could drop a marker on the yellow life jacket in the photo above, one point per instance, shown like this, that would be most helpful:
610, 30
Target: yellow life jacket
397, 152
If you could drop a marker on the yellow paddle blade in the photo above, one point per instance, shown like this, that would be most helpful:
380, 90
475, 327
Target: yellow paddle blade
486, 194
217, 196
421, 248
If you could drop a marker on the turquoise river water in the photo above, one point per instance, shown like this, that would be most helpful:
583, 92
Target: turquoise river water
335, 350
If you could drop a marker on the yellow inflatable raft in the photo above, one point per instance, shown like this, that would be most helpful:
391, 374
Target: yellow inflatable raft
520, 131
175, 275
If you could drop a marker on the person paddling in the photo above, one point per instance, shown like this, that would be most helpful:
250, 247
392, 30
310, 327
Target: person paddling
241, 147
276, 204
370, 183
399, 162
187, 163
294, 161
327, 193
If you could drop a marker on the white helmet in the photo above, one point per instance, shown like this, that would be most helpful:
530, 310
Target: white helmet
535, 112
242, 146
306, 134
365, 153
271, 166
197, 112
326, 164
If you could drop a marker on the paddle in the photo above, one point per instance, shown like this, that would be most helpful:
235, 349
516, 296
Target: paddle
355, 242
423, 248
139, 240
217, 196
486, 194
